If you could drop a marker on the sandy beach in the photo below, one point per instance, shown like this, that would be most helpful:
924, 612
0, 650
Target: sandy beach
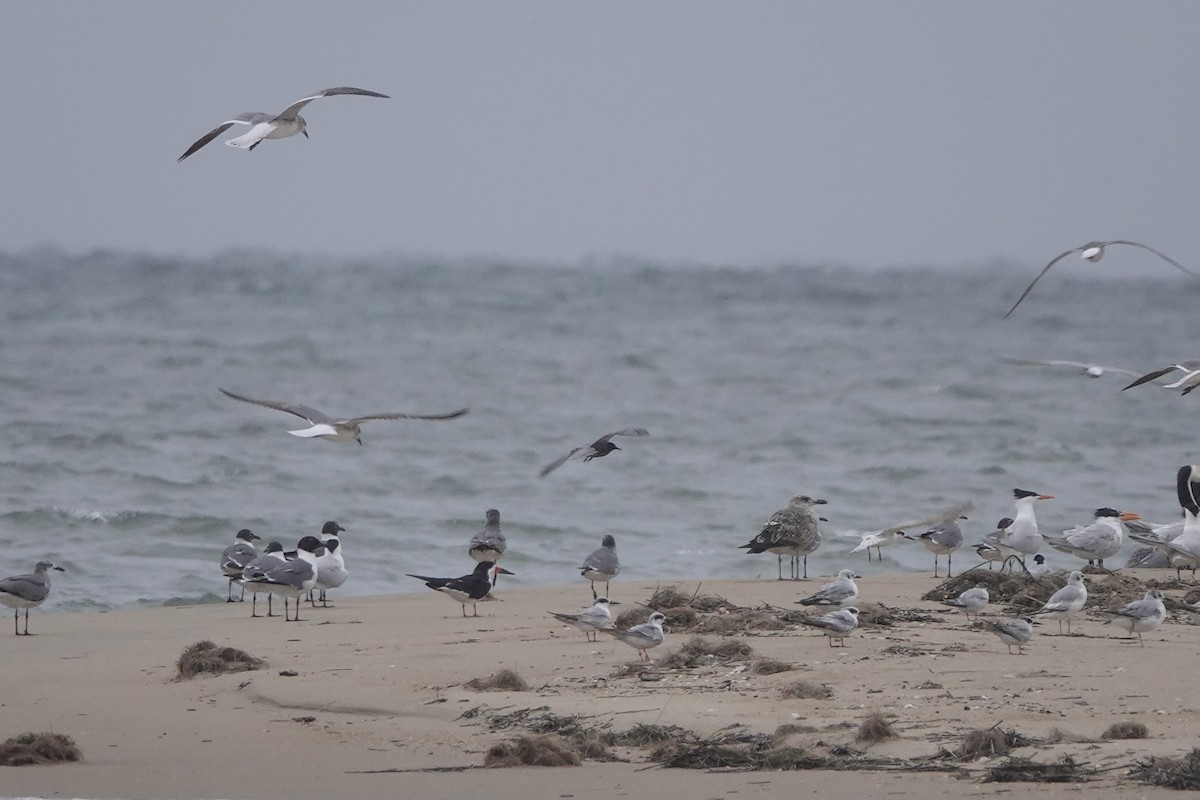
377, 706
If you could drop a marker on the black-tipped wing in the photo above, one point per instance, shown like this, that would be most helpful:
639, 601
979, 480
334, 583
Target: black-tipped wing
1046, 269
295, 107
304, 412
249, 118
1186, 366
462, 412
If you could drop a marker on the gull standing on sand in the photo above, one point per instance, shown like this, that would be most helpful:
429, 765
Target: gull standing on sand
641, 637
1065, 604
272, 126
972, 601
1189, 381
1098, 541
836, 624
1021, 537
333, 429
841, 591
943, 538
792, 531
1141, 615
489, 544
1094, 251
236, 556
602, 564
1014, 632
331, 566
271, 558
590, 619
597, 449
1080, 367
876, 539
27, 591
473, 588
292, 579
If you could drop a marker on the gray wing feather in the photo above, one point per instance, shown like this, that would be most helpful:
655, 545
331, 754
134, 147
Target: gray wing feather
292, 110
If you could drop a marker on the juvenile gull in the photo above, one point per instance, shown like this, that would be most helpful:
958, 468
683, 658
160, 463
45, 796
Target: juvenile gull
1141, 615
792, 531
489, 544
27, 591
836, 624
943, 538
1085, 369
1189, 381
271, 558
236, 556
471, 588
1066, 603
1094, 251
841, 591
1098, 541
641, 637
333, 429
272, 126
597, 449
1014, 632
972, 601
590, 619
602, 564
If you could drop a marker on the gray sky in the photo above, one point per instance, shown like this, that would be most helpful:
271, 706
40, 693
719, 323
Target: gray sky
728, 133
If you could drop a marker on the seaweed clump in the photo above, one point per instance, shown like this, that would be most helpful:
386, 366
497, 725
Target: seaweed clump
206, 657
1171, 773
503, 681
38, 748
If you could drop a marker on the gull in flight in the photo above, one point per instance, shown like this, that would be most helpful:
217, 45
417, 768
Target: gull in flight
597, 449
272, 126
1085, 369
1094, 251
331, 428
1189, 381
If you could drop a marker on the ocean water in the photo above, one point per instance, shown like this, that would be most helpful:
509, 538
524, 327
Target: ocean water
876, 390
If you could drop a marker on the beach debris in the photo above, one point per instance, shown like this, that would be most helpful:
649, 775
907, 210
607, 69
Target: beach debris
769, 666
1171, 773
1012, 769
38, 748
205, 657
874, 728
546, 750
504, 680
989, 743
806, 690
699, 651
1126, 730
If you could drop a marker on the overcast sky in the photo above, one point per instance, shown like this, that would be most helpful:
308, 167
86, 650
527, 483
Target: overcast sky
880, 133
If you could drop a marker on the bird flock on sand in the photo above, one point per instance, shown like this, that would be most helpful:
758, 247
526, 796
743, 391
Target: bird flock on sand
318, 565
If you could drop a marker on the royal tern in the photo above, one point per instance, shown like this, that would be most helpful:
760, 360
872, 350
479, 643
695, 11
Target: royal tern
333, 429
1014, 632
1141, 616
471, 588
1065, 604
1094, 251
792, 531
27, 591
836, 624
590, 619
272, 126
1021, 537
641, 637
601, 564
972, 601
1082, 368
597, 449
841, 591
1095, 542
236, 556
1189, 381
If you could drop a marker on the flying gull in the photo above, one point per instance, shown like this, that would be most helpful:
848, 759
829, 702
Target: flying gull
1189, 381
1086, 369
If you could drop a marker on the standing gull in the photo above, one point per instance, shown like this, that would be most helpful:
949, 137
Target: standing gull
590, 619
471, 588
972, 601
272, 126
641, 637
331, 567
489, 543
841, 591
333, 429
236, 556
1141, 615
597, 449
602, 564
943, 538
1189, 381
791, 531
1067, 602
27, 591
1094, 251
1014, 632
836, 624
292, 579
271, 558
1098, 541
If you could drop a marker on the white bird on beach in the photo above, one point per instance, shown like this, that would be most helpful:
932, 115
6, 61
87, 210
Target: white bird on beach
333, 429
792, 531
589, 620
602, 564
1141, 616
836, 624
942, 539
1095, 542
1065, 604
331, 566
1083, 368
841, 591
641, 637
1021, 537
1189, 381
971, 601
1094, 251
27, 591
878, 540
272, 126
1015, 632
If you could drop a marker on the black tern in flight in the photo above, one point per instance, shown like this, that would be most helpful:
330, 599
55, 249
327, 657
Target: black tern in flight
597, 449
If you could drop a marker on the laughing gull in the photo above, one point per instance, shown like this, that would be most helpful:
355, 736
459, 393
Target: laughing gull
1014, 632
1094, 251
602, 564
590, 619
333, 429
836, 624
641, 637
597, 449
972, 601
1080, 367
236, 556
473, 588
331, 567
292, 579
256, 570
1098, 541
841, 591
1067, 602
27, 591
1189, 381
791, 531
942, 539
489, 544
1141, 615
272, 126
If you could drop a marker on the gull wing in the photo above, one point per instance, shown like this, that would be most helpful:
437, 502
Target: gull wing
304, 412
249, 118
623, 432
1186, 366
400, 415
291, 111
1161, 255
553, 465
1046, 269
